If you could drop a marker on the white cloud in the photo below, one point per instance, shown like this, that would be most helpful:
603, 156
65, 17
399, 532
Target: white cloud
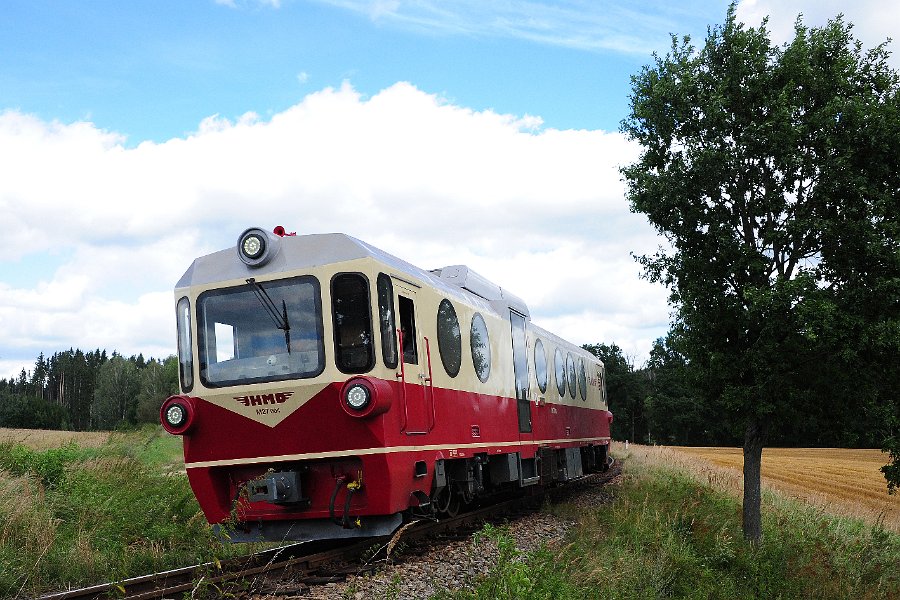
874, 21
540, 211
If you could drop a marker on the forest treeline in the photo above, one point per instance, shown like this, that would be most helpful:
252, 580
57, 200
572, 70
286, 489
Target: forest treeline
664, 401
81, 391
658, 402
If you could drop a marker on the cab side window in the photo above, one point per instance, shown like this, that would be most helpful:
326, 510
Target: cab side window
408, 330
353, 346
386, 320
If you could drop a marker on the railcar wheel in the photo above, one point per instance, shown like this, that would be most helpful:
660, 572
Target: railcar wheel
453, 505
446, 502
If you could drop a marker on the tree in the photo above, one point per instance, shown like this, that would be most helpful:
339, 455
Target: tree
626, 390
115, 398
773, 174
158, 381
676, 409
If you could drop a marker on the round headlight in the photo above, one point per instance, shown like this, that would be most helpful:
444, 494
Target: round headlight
176, 415
357, 396
253, 246
256, 247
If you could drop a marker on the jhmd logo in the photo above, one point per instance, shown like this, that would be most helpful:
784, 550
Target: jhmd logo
263, 399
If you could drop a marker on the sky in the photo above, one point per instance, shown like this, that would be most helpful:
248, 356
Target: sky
136, 136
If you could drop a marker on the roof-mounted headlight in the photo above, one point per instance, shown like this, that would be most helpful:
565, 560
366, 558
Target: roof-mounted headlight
256, 247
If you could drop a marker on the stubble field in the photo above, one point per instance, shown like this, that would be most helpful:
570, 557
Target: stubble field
42, 439
840, 481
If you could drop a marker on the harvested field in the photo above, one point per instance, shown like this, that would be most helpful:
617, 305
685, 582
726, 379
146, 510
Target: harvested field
42, 439
845, 482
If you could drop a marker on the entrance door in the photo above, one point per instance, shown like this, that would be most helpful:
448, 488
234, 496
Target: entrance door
520, 363
413, 367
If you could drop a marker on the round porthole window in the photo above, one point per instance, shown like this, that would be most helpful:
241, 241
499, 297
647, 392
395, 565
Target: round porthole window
449, 338
481, 348
560, 364
540, 366
570, 367
582, 379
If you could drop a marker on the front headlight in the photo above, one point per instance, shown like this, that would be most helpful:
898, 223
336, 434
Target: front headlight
357, 396
365, 397
177, 414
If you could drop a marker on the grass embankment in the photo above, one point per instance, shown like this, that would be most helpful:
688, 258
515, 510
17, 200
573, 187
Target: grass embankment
75, 515
674, 532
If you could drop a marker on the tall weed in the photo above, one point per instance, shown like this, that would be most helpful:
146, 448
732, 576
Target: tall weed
71, 516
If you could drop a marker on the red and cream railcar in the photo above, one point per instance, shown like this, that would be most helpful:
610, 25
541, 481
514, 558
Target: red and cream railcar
329, 389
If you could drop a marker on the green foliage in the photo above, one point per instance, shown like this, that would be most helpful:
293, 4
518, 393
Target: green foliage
47, 465
158, 381
674, 405
72, 517
772, 173
115, 398
30, 412
626, 389
78, 390
892, 470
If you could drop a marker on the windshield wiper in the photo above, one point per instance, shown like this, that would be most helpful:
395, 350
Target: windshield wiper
280, 320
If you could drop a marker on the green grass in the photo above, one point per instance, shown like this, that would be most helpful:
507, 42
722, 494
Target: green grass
74, 516
668, 536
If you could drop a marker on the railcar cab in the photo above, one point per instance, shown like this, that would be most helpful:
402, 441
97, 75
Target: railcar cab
277, 346
273, 327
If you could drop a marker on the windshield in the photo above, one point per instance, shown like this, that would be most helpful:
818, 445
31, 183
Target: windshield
241, 342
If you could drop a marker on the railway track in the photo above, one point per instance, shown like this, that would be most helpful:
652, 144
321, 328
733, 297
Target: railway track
315, 563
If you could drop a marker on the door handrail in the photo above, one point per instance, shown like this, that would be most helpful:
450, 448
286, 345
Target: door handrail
402, 377
430, 382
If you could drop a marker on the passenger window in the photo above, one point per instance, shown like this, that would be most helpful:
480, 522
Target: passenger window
560, 364
540, 366
481, 348
570, 364
352, 323
582, 379
449, 338
408, 331
386, 320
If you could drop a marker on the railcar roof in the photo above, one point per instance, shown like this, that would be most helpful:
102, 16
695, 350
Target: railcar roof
315, 250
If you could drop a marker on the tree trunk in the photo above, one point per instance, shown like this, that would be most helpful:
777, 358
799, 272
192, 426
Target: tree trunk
753, 446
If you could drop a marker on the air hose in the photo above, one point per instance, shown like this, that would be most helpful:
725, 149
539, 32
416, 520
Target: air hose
352, 488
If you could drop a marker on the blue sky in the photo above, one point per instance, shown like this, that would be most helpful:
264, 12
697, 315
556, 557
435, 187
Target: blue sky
153, 70
137, 135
